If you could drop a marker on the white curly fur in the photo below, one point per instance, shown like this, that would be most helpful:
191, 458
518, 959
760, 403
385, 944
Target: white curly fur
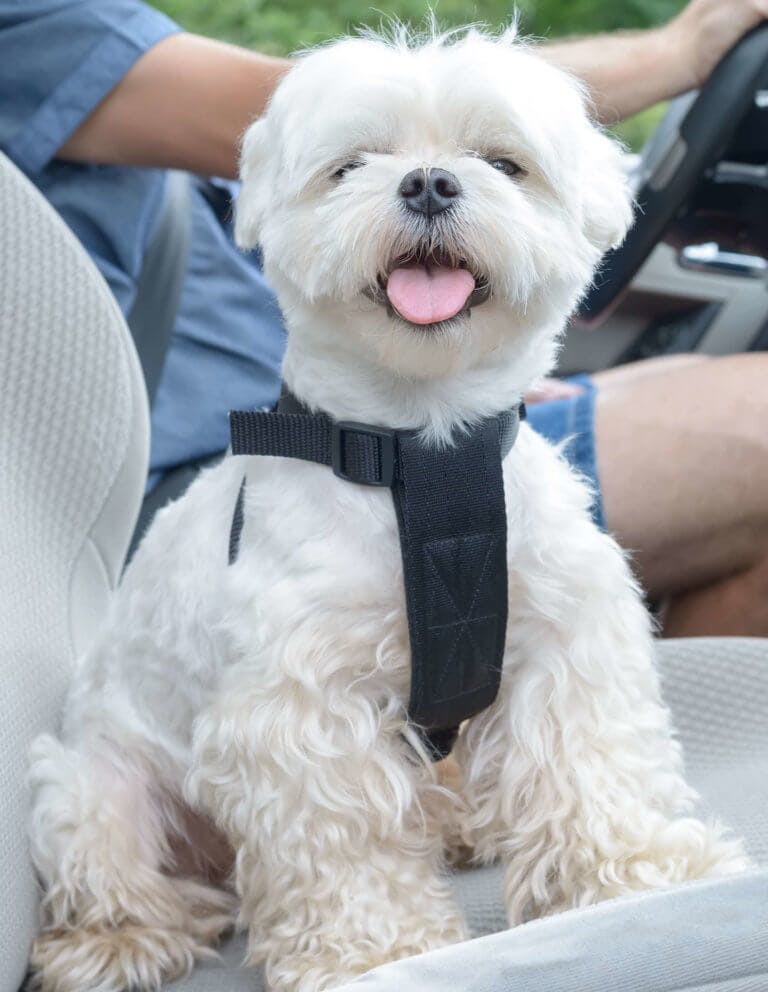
270, 694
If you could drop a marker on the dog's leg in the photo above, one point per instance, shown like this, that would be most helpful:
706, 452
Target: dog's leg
112, 919
573, 777
336, 865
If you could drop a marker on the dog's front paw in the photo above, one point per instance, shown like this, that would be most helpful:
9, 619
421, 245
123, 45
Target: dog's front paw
666, 852
323, 962
133, 955
321, 970
112, 960
325, 969
679, 850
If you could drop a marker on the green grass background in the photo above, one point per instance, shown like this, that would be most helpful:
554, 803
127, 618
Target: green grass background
280, 26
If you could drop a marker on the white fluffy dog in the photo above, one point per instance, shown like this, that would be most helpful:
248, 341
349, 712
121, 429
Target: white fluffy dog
270, 695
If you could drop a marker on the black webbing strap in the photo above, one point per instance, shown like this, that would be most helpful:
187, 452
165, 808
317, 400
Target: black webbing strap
451, 517
356, 452
236, 529
453, 537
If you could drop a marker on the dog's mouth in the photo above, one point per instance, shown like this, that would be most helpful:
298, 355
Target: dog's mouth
428, 289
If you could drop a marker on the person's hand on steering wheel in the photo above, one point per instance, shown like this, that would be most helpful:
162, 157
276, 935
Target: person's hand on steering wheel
716, 53
705, 30
628, 71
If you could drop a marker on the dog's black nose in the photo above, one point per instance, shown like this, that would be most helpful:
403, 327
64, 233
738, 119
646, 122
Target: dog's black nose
429, 191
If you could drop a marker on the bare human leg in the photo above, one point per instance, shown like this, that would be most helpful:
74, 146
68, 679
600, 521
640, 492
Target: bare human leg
683, 462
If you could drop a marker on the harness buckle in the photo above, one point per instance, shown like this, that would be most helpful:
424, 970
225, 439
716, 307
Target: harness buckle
342, 432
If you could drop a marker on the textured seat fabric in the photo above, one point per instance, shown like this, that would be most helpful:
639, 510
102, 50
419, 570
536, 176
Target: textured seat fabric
709, 936
73, 461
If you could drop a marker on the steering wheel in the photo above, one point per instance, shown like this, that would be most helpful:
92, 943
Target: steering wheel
691, 139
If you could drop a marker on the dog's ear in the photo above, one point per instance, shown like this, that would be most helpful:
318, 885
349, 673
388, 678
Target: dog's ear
607, 200
253, 198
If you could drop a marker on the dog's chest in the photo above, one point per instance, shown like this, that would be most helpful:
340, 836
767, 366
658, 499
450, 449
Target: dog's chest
320, 563
336, 542
313, 545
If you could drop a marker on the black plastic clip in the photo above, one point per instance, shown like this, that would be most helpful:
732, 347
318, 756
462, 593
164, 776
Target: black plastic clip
386, 450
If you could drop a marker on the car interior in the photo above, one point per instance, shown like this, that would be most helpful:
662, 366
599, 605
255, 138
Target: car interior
691, 274
74, 433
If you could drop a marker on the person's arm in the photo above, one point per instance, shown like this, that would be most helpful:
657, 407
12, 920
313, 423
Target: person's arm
186, 102
184, 105
629, 71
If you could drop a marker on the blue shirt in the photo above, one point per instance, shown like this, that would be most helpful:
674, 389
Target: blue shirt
58, 60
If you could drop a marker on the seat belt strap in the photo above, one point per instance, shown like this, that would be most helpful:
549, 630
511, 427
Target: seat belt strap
152, 316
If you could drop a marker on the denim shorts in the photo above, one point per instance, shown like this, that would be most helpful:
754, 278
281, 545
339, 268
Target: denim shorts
573, 420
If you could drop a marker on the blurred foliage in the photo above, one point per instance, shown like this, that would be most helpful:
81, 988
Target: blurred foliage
281, 26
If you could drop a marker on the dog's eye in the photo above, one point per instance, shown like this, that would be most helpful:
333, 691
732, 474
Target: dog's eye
344, 169
505, 165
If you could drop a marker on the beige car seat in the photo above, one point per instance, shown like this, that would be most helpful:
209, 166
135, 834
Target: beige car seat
73, 460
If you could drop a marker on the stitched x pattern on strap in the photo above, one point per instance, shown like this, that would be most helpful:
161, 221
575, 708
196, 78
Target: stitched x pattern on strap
453, 538
464, 628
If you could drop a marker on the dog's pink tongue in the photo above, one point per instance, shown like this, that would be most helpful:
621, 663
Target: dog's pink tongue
426, 294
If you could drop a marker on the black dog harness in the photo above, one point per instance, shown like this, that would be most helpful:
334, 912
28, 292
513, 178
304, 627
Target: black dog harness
452, 521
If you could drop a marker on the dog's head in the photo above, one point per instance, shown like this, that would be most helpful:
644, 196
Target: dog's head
430, 206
